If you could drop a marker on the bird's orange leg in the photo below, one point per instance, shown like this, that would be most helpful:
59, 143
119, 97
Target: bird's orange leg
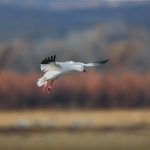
45, 88
49, 89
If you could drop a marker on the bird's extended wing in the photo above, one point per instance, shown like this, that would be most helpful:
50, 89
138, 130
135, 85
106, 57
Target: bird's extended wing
49, 64
96, 63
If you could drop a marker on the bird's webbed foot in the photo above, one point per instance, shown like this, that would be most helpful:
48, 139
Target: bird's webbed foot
48, 89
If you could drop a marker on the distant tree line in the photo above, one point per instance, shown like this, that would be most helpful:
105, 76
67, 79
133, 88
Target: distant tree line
91, 90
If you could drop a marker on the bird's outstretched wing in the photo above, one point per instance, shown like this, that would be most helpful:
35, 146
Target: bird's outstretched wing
96, 63
82, 64
49, 64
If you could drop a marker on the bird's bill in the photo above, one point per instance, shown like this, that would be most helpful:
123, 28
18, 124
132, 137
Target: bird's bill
84, 71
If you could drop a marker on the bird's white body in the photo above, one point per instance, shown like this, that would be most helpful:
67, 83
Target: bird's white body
54, 70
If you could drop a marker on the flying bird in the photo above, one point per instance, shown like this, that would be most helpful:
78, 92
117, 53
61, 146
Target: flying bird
53, 70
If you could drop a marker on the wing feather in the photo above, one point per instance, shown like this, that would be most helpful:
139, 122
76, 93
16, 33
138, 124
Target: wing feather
49, 60
96, 63
49, 64
50, 67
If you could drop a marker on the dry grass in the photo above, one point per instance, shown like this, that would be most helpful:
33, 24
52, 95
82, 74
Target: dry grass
115, 118
110, 140
76, 141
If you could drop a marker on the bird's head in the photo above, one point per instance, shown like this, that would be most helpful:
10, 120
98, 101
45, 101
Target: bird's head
80, 68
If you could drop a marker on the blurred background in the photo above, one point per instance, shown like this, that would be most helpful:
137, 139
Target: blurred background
109, 104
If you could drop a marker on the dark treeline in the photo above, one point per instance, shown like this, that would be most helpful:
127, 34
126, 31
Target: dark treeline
92, 90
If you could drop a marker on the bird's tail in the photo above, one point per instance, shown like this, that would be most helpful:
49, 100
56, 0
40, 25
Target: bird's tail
42, 81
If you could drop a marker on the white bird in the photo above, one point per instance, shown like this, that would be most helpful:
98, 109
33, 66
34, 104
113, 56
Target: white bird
53, 70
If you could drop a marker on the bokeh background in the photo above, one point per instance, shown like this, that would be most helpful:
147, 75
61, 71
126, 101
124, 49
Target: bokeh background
109, 104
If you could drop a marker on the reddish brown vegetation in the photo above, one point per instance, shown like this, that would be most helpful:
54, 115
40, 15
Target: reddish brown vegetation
90, 90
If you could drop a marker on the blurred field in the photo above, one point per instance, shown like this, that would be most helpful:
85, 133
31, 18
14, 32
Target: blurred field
105, 130
77, 141
112, 118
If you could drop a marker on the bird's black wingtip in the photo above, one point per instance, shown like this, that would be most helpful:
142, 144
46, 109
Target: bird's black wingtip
104, 61
49, 60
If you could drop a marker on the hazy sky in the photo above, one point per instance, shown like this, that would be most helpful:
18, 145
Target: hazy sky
66, 2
